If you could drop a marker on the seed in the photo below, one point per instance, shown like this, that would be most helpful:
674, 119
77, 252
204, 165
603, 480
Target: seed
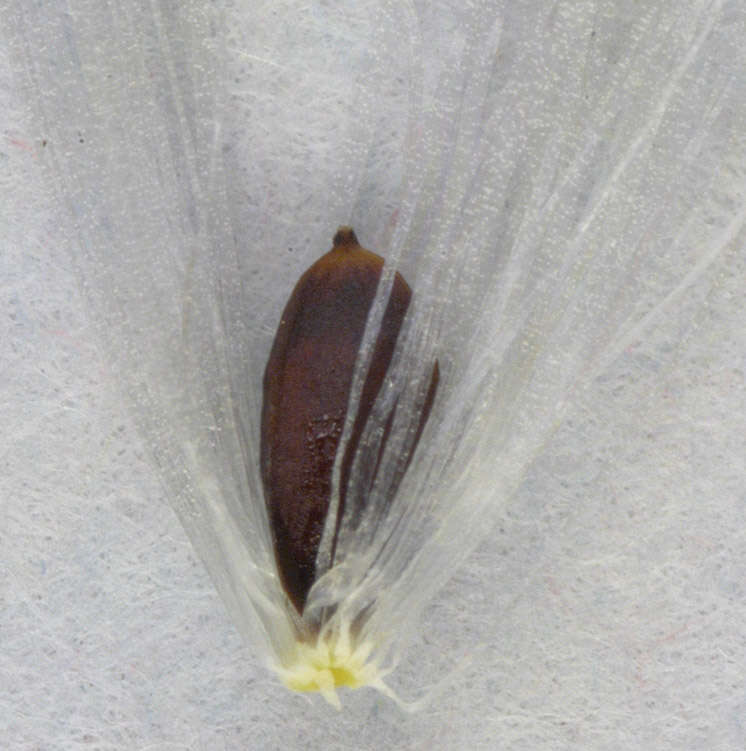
307, 385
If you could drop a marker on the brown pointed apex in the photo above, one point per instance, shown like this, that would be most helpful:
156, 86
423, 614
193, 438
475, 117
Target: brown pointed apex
345, 236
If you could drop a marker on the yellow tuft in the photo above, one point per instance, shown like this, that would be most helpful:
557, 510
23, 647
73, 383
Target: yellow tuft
329, 663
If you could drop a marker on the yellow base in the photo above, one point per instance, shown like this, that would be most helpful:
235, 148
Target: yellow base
328, 664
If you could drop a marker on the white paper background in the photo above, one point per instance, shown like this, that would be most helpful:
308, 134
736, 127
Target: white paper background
609, 602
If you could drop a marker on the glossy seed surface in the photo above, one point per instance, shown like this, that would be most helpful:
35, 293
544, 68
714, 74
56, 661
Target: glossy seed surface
307, 385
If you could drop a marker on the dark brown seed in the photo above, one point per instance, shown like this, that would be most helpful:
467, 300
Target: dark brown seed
306, 389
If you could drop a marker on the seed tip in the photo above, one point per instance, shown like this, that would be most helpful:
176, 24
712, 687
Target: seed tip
344, 236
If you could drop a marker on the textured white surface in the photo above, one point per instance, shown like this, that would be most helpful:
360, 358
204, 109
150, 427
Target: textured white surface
609, 602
